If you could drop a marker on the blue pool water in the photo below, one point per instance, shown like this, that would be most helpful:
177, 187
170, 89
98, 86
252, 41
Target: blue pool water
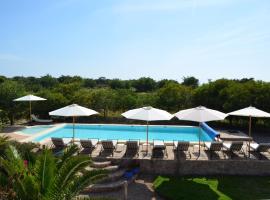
128, 132
34, 129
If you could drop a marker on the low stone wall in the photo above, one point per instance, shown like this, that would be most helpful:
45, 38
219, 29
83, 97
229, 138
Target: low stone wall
205, 167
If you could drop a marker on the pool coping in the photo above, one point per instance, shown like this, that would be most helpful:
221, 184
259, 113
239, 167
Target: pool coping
41, 133
19, 132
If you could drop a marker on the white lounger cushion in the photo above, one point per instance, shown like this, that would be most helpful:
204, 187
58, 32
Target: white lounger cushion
67, 140
94, 142
208, 144
227, 145
254, 145
114, 142
158, 143
34, 117
175, 143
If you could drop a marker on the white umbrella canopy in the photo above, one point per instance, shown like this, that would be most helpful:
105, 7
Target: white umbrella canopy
200, 114
250, 112
147, 114
73, 111
30, 98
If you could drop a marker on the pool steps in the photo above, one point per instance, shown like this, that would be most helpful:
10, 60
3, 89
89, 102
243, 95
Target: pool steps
115, 179
101, 164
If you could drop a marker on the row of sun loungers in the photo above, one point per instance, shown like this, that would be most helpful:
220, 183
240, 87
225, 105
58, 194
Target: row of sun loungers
159, 149
230, 147
235, 147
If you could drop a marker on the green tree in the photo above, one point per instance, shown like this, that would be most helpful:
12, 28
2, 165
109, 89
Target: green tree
70, 79
102, 82
68, 89
173, 97
213, 94
31, 84
163, 82
240, 95
146, 99
48, 81
2, 79
54, 101
144, 84
89, 83
83, 97
10, 90
124, 99
262, 96
103, 100
117, 84
190, 81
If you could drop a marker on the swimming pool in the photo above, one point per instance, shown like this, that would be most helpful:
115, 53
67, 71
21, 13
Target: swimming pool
128, 132
35, 129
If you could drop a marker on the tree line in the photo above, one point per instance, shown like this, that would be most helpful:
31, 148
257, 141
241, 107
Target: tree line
111, 97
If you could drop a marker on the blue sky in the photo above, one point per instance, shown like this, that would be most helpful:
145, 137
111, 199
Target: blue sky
126, 39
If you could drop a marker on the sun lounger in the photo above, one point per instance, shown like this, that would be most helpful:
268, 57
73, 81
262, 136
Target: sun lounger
232, 147
88, 145
260, 148
159, 149
213, 147
181, 146
108, 146
36, 119
132, 148
59, 145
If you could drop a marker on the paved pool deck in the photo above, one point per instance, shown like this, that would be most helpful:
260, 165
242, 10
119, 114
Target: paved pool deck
14, 133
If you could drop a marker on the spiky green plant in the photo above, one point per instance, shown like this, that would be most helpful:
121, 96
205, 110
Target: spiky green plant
49, 178
4, 141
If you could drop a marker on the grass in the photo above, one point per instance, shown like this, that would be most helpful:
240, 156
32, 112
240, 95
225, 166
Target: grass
208, 188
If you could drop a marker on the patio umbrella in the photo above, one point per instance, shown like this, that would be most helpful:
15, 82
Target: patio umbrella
147, 114
73, 111
250, 112
200, 114
30, 98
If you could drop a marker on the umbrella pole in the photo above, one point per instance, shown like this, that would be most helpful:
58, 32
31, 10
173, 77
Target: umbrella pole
30, 110
73, 137
199, 139
147, 123
249, 133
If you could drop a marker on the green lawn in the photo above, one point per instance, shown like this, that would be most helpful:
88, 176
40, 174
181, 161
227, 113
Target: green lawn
208, 188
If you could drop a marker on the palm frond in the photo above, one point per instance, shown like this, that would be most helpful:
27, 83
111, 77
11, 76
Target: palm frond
26, 187
12, 162
4, 142
66, 174
26, 150
68, 153
45, 169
